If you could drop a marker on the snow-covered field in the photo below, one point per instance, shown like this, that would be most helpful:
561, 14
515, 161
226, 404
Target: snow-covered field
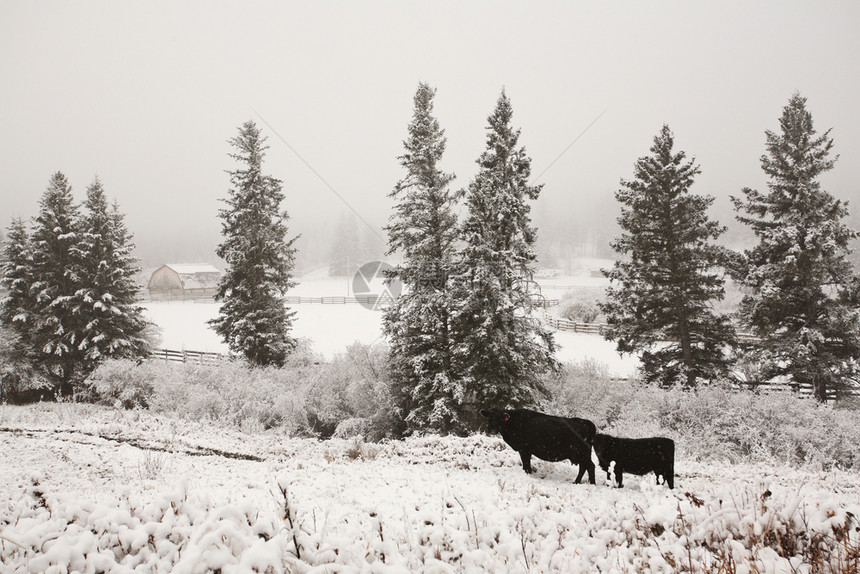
85, 488
332, 328
92, 489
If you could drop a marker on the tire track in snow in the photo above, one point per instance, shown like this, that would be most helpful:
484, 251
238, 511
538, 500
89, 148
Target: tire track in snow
135, 442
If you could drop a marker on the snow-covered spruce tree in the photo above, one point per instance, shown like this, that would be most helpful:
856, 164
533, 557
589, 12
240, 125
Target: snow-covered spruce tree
17, 306
56, 331
501, 348
253, 320
107, 298
662, 290
803, 290
423, 230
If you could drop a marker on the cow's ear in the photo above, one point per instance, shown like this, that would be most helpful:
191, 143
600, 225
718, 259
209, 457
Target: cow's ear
506, 417
485, 413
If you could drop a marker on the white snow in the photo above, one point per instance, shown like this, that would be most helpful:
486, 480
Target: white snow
332, 328
91, 489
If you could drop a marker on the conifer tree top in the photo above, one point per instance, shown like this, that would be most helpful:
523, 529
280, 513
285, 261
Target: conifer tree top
250, 145
796, 157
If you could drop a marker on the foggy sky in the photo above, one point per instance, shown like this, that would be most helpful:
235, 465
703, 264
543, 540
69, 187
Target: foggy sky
146, 95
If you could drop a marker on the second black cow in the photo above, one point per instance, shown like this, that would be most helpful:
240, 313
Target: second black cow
637, 456
545, 436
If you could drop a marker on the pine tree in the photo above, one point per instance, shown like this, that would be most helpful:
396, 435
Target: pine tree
345, 255
18, 304
662, 291
423, 229
372, 246
803, 290
17, 308
56, 332
16, 312
502, 349
107, 298
253, 319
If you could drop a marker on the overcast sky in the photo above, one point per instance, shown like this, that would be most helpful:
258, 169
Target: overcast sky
146, 94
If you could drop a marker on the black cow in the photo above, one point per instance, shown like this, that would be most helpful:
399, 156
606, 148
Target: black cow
545, 436
637, 456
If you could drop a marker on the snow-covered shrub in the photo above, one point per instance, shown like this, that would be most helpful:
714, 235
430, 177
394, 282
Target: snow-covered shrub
125, 382
306, 397
354, 385
234, 394
358, 449
586, 389
712, 423
720, 422
350, 428
580, 307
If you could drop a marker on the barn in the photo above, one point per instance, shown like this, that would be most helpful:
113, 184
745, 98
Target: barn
184, 281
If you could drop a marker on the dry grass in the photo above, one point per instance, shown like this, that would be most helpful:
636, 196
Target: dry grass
735, 543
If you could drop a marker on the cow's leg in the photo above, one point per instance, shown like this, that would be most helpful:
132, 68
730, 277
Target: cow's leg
619, 476
581, 470
584, 465
527, 461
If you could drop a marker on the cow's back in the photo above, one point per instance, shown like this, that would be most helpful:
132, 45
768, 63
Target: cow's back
647, 454
549, 437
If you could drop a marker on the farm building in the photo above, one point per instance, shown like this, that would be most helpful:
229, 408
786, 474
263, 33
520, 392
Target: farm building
184, 281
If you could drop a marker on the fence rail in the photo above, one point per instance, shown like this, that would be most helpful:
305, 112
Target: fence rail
600, 328
363, 299
567, 325
850, 388
198, 357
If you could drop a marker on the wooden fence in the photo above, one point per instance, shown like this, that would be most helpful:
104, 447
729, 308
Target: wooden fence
198, 357
567, 325
147, 297
851, 388
363, 299
371, 300
600, 328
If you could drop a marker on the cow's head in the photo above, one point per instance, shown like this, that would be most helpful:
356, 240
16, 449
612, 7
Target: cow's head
496, 419
603, 450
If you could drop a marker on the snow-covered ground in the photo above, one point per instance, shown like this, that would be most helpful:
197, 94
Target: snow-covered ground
92, 489
332, 328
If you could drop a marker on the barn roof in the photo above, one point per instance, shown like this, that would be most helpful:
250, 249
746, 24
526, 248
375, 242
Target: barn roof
192, 268
190, 276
